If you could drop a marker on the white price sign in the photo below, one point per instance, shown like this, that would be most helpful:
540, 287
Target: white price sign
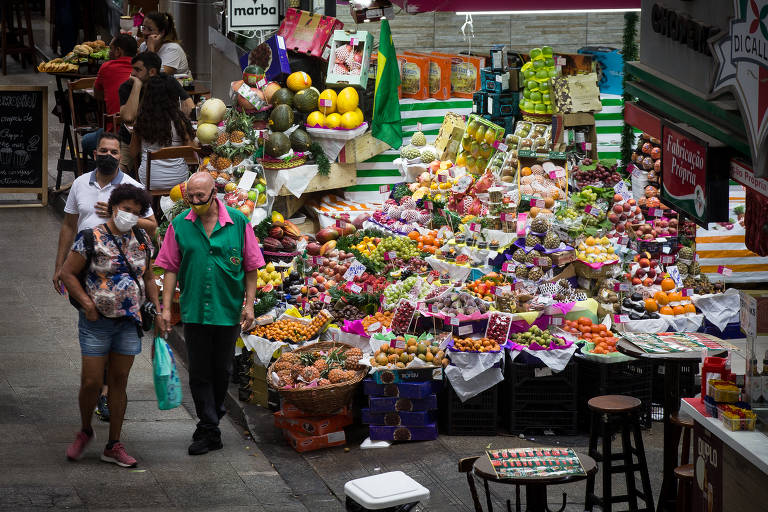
246, 182
748, 314
622, 189
384, 189
354, 270
355, 288
674, 273
620, 319
592, 210
454, 320
465, 329
252, 14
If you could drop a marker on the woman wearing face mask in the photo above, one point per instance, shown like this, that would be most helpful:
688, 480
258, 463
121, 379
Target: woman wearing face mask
118, 277
159, 32
160, 123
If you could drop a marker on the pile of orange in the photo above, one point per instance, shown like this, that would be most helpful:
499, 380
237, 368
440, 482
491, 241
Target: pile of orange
382, 317
481, 288
585, 329
669, 303
426, 243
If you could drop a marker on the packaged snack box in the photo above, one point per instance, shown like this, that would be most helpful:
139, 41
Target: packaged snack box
465, 73
439, 75
414, 76
304, 443
314, 426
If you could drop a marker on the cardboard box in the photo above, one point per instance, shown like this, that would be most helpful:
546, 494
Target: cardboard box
577, 93
361, 149
402, 390
396, 419
313, 426
342, 73
465, 74
383, 433
303, 443
291, 411
279, 67
762, 310
390, 404
308, 33
452, 129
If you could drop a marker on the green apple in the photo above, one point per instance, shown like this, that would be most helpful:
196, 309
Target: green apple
529, 73
540, 108
544, 86
253, 194
527, 94
542, 74
546, 51
553, 73
549, 62
546, 98
538, 64
536, 97
536, 53
529, 106
260, 187
532, 85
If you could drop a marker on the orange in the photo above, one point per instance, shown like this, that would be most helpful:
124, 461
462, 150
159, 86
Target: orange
661, 298
584, 321
675, 297
667, 284
666, 310
413, 235
525, 171
678, 310
651, 306
689, 308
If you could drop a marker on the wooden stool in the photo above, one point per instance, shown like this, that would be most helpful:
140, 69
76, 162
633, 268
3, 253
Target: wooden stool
622, 414
684, 475
685, 424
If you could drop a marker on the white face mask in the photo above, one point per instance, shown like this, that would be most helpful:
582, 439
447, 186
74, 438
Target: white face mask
125, 220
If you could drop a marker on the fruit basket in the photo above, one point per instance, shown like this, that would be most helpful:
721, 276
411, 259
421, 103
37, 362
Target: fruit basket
320, 399
536, 118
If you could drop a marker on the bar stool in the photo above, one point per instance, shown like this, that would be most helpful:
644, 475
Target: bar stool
620, 414
685, 424
684, 475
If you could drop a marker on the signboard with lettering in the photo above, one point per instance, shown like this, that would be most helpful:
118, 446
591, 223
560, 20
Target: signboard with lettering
708, 470
692, 180
24, 140
252, 14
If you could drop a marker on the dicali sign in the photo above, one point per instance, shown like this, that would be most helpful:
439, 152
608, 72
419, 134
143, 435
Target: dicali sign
689, 183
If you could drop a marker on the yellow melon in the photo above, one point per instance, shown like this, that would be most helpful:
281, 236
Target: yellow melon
347, 100
298, 81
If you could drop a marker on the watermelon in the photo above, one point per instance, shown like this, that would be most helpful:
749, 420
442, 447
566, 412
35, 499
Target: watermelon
252, 75
281, 118
300, 140
267, 288
282, 96
306, 100
277, 145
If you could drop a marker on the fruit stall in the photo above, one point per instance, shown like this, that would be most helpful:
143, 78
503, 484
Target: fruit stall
489, 284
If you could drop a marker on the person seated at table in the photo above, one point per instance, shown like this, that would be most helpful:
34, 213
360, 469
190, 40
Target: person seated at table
111, 76
144, 66
160, 37
161, 124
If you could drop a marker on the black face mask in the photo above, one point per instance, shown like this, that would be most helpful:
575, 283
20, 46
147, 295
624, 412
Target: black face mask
107, 164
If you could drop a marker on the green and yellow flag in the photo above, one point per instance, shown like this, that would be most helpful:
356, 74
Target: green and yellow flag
386, 105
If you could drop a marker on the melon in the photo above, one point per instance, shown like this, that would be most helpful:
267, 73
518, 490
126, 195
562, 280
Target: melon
306, 100
298, 80
277, 145
281, 118
207, 132
252, 75
212, 111
269, 90
347, 100
282, 97
300, 140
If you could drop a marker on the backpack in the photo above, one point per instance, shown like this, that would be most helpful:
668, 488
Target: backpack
89, 241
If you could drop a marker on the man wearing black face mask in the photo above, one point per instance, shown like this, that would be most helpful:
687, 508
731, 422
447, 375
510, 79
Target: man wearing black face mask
87, 202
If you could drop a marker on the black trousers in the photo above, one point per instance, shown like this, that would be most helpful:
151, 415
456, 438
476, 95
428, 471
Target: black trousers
210, 349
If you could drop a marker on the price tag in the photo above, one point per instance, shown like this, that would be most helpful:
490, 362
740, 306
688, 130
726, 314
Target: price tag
674, 273
620, 319
352, 41
315, 260
508, 217
442, 178
667, 259
374, 327
634, 171
560, 61
434, 308
556, 320
340, 223
540, 262
384, 189
542, 372
397, 343
666, 249
454, 320
326, 299
355, 288
507, 267
465, 329
323, 102
261, 83
622, 189
622, 287
588, 146
418, 126
623, 240
687, 292
354, 270
556, 173
521, 220
655, 212
592, 210
500, 146
501, 290
724, 270
474, 227
429, 205
390, 255
430, 278
538, 203
246, 181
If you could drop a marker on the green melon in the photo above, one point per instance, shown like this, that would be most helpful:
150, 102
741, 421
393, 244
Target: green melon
277, 144
282, 96
252, 74
300, 140
281, 118
306, 100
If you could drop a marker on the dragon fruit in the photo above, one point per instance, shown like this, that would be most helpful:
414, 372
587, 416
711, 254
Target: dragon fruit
343, 53
408, 203
340, 69
476, 208
394, 212
466, 204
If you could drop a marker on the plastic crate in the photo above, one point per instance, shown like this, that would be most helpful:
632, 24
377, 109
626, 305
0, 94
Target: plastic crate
631, 378
732, 331
502, 104
560, 422
477, 416
526, 387
688, 386
506, 122
479, 105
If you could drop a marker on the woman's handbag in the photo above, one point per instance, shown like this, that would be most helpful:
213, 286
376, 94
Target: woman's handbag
167, 383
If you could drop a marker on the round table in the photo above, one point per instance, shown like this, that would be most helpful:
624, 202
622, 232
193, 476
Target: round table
671, 362
535, 486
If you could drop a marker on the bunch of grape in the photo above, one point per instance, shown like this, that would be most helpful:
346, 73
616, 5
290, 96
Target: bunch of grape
404, 247
567, 213
402, 290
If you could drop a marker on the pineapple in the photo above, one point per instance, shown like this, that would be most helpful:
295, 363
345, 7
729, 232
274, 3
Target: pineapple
531, 255
519, 256
321, 365
236, 136
521, 272
535, 273
282, 364
349, 375
221, 162
308, 358
323, 382
539, 225
532, 240
222, 139
238, 124
237, 159
551, 241
353, 357
285, 378
336, 376
310, 374
291, 357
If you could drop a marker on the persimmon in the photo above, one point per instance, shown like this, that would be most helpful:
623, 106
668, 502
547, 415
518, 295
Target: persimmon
651, 306
667, 284
661, 298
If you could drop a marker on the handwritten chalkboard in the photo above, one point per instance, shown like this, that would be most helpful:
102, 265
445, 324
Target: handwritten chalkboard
23, 139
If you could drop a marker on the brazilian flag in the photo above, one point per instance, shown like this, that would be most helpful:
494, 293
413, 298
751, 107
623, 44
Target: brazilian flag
386, 105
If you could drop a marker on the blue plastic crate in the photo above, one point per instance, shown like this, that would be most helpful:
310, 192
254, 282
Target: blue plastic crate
502, 104
479, 105
732, 330
499, 81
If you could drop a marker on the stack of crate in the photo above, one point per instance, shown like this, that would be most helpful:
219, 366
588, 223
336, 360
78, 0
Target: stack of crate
401, 407
306, 432
498, 99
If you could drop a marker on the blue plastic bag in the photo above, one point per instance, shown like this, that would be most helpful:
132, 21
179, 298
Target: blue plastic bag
167, 383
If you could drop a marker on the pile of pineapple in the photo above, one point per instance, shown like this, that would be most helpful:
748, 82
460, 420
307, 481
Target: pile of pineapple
317, 368
233, 145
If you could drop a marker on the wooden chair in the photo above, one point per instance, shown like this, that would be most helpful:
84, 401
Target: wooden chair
115, 119
85, 115
190, 155
465, 466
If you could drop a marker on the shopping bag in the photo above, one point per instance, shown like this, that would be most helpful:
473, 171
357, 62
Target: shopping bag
167, 383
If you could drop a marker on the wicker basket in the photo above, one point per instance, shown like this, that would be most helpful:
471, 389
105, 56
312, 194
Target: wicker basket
584, 270
326, 399
283, 164
536, 118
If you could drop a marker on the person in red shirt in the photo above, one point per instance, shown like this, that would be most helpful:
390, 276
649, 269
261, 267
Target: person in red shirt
111, 75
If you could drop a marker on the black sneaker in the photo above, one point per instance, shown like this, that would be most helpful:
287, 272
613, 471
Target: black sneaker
102, 409
205, 444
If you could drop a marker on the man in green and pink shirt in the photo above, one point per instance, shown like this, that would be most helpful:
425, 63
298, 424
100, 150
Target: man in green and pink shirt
212, 252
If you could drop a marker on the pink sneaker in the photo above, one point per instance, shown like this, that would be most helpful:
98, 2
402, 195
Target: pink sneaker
117, 455
76, 449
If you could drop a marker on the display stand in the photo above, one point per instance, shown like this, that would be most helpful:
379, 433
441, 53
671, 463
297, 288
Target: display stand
340, 176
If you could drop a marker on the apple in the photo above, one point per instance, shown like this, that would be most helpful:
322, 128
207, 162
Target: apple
640, 272
620, 228
253, 194
618, 209
536, 97
651, 273
636, 281
647, 281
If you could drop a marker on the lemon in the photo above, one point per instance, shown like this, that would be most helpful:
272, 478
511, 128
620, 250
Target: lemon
323, 102
349, 120
333, 120
347, 100
277, 217
316, 118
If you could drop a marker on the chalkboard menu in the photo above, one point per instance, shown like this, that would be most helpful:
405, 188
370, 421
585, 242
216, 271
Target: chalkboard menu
23, 138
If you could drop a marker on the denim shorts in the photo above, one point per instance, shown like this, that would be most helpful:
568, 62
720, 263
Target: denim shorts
107, 335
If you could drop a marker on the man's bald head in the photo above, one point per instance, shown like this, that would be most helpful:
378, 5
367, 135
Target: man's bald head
199, 187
